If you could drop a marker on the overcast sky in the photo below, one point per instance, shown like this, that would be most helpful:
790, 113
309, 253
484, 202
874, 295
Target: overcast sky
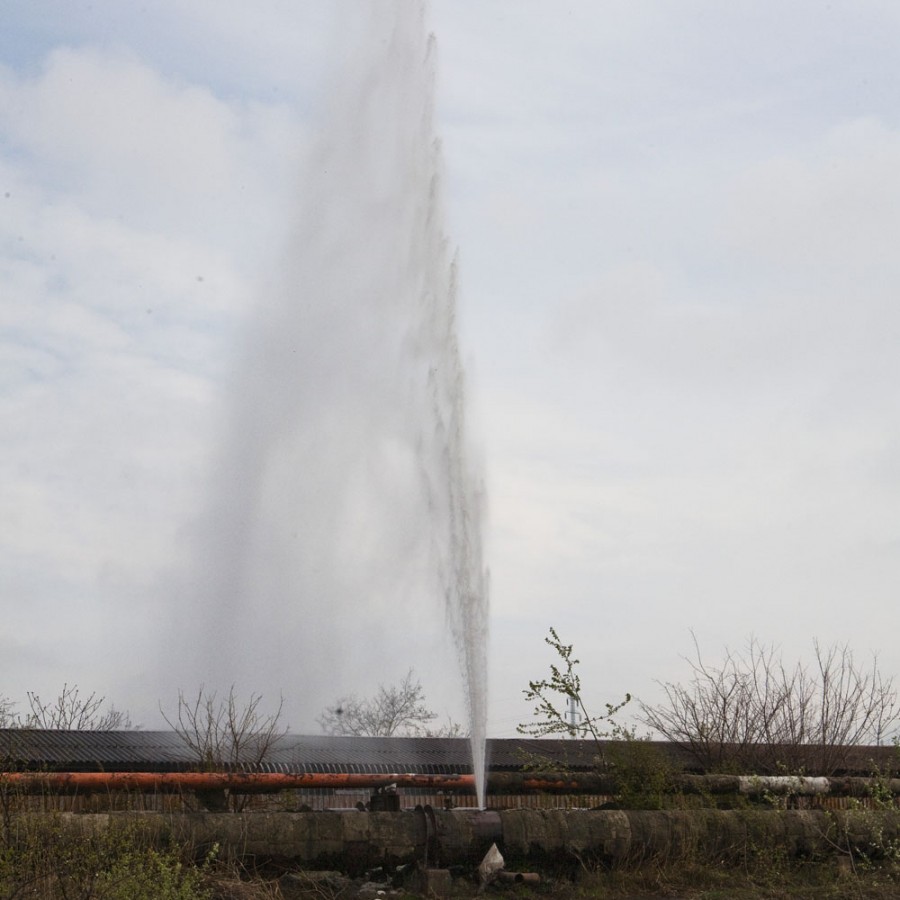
676, 225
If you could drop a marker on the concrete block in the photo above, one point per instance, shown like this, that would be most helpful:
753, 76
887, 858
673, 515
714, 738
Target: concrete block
435, 883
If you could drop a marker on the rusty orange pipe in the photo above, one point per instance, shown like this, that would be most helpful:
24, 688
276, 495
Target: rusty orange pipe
241, 782
271, 782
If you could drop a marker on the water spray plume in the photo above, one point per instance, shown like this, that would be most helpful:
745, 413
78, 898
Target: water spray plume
346, 499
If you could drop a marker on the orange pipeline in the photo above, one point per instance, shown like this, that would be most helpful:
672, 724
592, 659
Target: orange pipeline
271, 782
241, 782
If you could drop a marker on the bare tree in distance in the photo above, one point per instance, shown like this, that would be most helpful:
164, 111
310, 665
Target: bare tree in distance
449, 729
753, 712
8, 717
69, 711
394, 710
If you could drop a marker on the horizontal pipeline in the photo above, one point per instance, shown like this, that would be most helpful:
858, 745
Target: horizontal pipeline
272, 782
239, 782
497, 783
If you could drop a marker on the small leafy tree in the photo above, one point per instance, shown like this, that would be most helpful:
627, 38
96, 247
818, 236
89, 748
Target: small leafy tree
554, 696
393, 710
643, 774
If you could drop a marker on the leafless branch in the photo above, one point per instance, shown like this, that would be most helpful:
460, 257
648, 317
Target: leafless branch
69, 711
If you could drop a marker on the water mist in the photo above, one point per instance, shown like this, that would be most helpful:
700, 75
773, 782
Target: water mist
347, 512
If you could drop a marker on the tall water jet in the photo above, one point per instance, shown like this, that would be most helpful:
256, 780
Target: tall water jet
346, 496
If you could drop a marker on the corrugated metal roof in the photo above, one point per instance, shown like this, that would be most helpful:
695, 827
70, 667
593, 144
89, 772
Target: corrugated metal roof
161, 751
167, 751
93, 750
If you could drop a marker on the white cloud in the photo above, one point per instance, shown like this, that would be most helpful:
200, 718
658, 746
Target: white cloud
706, 439
828, 212
112, 135
136, 214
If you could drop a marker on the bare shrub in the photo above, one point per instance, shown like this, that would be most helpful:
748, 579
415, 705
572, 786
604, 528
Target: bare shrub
754, 713
226, 733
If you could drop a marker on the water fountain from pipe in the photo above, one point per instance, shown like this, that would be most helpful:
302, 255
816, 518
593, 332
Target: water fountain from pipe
346, 495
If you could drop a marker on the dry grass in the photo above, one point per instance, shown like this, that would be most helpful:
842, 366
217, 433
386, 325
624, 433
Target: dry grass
759, 879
